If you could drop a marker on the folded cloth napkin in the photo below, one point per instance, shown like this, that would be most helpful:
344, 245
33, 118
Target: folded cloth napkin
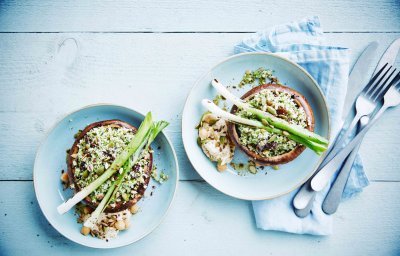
303, 43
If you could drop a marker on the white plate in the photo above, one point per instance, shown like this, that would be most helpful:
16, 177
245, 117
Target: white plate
267, 183
51, 159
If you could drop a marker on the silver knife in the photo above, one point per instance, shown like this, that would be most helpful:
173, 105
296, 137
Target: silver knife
357, 77
303, 200
389, 56
332, 200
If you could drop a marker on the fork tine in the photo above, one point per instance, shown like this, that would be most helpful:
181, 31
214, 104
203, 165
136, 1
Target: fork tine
386, 85
396, 80
370, 93
368, 86
397, 86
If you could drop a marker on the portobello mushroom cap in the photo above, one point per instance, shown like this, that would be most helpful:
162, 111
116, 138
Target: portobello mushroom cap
119, 206
279, 159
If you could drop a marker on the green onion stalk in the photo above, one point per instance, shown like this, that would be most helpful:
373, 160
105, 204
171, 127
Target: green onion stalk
210, 106
111, 192
116, 165
281, 124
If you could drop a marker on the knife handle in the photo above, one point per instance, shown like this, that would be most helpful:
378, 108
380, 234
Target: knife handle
303, 196
334, 196
322, 178
332, 200
340, 141
302, 213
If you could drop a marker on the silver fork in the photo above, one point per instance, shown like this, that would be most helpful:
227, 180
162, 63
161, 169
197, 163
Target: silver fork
391, 99
371, 95
366, 102
332, 199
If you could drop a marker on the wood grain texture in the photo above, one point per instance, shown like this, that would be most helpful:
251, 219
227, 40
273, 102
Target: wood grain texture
45, 76
129, 53
180, 15
204, 220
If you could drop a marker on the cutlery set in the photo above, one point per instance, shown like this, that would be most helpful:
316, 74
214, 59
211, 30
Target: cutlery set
383, 86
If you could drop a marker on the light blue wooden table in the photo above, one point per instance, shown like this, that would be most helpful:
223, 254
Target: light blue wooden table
57, 56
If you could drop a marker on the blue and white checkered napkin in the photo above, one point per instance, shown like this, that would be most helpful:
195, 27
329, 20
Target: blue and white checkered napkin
303, 42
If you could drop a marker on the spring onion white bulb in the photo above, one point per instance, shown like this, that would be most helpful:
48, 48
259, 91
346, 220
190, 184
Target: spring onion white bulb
210, 106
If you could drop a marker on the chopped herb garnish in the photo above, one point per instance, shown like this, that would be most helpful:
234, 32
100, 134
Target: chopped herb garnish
218, 99
261, 75
77, 134
159, 178
275, 167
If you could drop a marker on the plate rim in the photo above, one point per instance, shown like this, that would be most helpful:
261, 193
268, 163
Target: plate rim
315, 83
107, 246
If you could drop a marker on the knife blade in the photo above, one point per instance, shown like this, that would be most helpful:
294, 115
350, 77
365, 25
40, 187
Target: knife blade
389, 56
357, 77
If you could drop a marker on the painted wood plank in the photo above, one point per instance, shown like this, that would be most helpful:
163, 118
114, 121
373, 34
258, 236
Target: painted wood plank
41, 82
176, 15
202, 220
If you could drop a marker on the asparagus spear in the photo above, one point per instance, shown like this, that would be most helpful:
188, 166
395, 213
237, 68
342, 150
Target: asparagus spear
150, 136
116, 165
316, 147
271, 119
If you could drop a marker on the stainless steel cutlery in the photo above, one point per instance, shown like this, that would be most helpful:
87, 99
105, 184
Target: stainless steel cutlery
304, 198
332, 199
365, 105
384, 84
391, 99
358, 79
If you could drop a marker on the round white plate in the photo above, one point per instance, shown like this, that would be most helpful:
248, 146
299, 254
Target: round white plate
51, 159
267, 183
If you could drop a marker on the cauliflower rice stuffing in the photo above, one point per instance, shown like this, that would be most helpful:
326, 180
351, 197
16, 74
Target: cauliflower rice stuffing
285, 106
96, 152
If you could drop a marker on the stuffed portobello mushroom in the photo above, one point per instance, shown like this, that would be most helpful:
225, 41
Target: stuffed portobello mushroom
94, 150
263, 147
